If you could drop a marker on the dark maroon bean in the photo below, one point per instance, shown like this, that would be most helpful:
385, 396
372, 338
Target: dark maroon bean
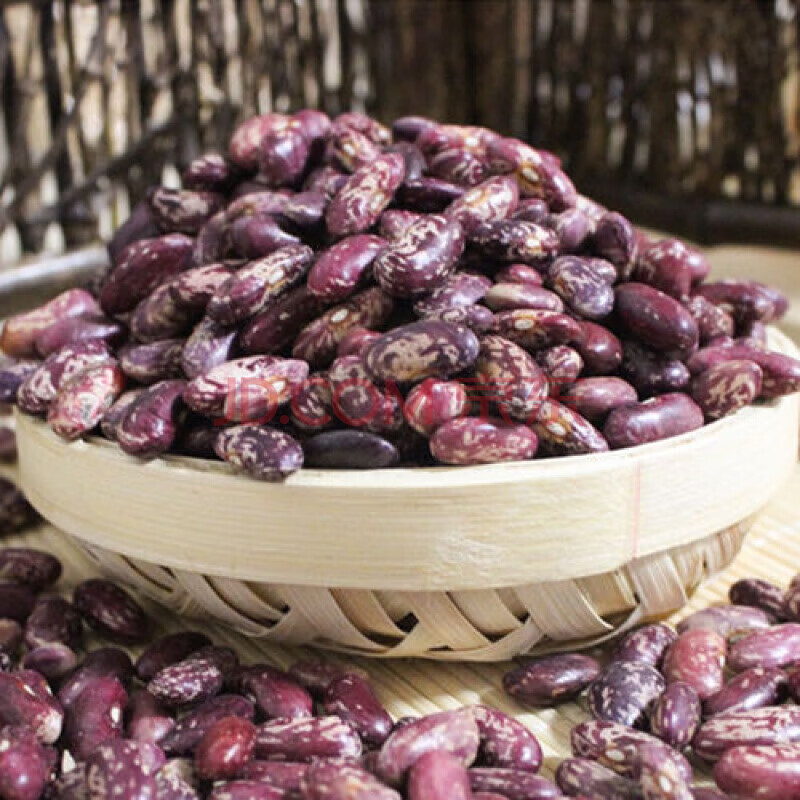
12, 375
187, 682
454, 732
600, 349
111, 611
16, 601
754, 688
579, 776
777, 646
726, 620
157, 361
766, 771
316, 676
615, 240
25, 700
552, 679
428, 194
72, 330
113, 416
617, 747
191, 728
349, 449
307, 739
761, 726
24, 766
573, 228
513, 784
53, 660
105, 662
275, 694
29, 567
209, 172
225, 749
147, 719
657, 319
746, 301
697, 657
351, 698
167, 650
212, 244
142, 267
652, 373
676, 715
150, 424
95, 716
625, 692
160, 317
506, 742
758, 593
652, 420
595, 398
519, 273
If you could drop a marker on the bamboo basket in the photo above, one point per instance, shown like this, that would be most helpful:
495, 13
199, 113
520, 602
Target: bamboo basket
480, 563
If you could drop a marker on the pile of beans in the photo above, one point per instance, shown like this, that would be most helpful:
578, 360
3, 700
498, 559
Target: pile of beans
186, 720
347, 295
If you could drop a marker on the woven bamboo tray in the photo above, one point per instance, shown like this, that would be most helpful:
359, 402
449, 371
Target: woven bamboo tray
477, 563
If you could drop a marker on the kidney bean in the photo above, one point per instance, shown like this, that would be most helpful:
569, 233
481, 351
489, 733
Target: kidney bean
12, 375
53, 660
534, 209
317, 342
463, 289
148, 720
82, 401
53, 620
339, 271
16, 601
95, 716
191, 727
777, 646
40, 388
307, 739
437, 775
428, 194
514, 240
187, 682
212, 244
676, 715
758, 593
652, 373
697, 657
183, 211
491, 201
29, 567
316, 676
192, 290
625, 692
615, 240
209, 172
225, 749
173, 787
760, 771
395, 221
105, 662
150, 363
507, 296
142, 267
277, 325
725, 388
711, 320
350, 150
652, 420
358, 205
574, 230
576, 281
434, 402
664, 265
536, 329
617, 747
123, 769
24, 766
71, 330
111, 611
551, 680
19, 334
561, 365
349, 449
275, 693
244, 143
660, 778
745, 301
150, 424
254, 237
760, 726
459, 166
578, 776
159, 317
263, 453
454, 732
754, 688
472, 440
657, 319
332, 781
351, 698
139, 225
595, 398
726, 620
513, 784
506, 742
283, 155
600, 349
113, 416
562, 431
169, 649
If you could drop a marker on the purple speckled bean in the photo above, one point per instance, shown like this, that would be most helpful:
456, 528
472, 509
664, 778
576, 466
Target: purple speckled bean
652, 373
754, 688
191, 727
459, 290
123, 769
660, 778
454, 732
95, 716
474, 440
761, 726
182, 211
352, 698
745, 300
615, 240
585, 290
263, 453
150, 363
573, 228
580, 776
169, 649
25, 699
726, 620
697, 657
536, 329
514, 240
316, 676
150, 424
358, 205
342, 268
768, 772
676, 715
29, 567
275, 693
711, 320
562, 431
727, 387
434, 402
561, 365
147, 720
331, 781
307, 739
208, 346
71, 330
193, 289
777, 646
186, 682
758, 593
491, 201
111, 611
53, 619
625, 692
459, 166
513, 784
664, 265
105, 662
245, 790
551, 680
506, 296
506, 742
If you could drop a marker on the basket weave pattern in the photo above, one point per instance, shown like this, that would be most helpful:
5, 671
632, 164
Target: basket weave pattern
480, 625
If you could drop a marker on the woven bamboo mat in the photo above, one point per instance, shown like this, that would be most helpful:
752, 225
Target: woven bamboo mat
772, 550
